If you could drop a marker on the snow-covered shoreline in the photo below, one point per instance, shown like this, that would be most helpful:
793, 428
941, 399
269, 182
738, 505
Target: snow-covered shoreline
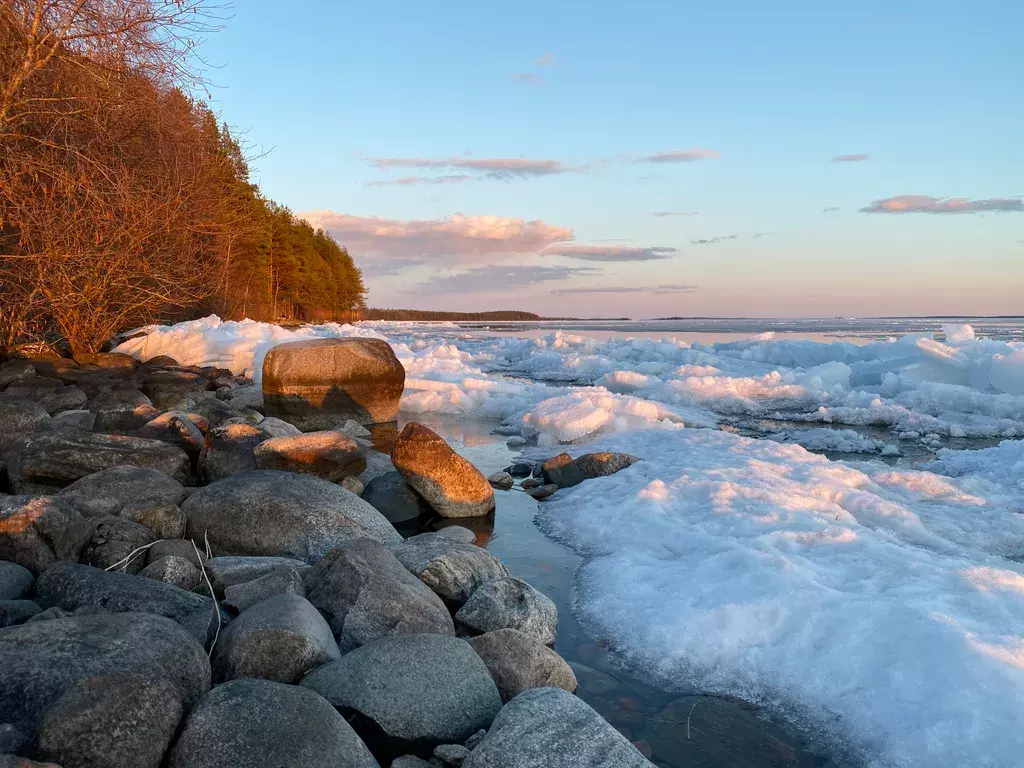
884, 603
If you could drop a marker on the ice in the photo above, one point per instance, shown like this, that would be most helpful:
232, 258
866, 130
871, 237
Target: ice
878, 604
837, 440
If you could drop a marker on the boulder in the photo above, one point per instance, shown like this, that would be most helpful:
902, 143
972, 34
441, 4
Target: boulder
176, 571
14, 612
405, 761
377, 464
76, 419
179, 382
115, 361
551, 728
541, 491
355, 429
16, 581
183, 548
281, 513
71, 586
34, 387
113, 539
213, 410
410, 693
37, 531
451, 567
274, 427
42, 660
164, 519
285, 581
451, 755
50, 613
122, 409
249, 722
510, 604
51, 462
519, 661
322, 383
501, 480
565, 472
177, 428
228, 571
126, 485
229, 450
159, 361
12, 741
329, 454
394, 498
110, 721
15, 370
280, 638
63, 399
449, 483
19, 418
366, 594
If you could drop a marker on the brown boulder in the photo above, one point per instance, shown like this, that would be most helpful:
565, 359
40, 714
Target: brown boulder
322, 383
329, 454
449, 483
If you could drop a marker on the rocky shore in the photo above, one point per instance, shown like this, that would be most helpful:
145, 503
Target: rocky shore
189, 580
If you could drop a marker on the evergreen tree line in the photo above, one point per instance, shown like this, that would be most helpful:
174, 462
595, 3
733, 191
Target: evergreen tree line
123, 201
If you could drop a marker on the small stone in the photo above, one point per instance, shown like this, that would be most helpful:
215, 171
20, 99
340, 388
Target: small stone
451, 755
177, 571
14, 612
284, 581
542, 492
114, 539
229, 450
227, 571
518, 662
19, 418
76, 419
329, 454
520, 468
516, 441
183, 548
473, 741
273, 427
405, 761
501, 480
177, 428
355, 429
15, 370
510, 603
565, 472
394, 498
530, 482
354, 484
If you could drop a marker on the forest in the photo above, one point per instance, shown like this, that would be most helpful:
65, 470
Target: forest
124, 199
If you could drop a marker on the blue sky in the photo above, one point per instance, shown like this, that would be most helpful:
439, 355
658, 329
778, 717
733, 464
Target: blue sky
481, 156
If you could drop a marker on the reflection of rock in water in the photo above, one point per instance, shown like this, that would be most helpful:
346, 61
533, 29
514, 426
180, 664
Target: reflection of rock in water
482, 527
383, 436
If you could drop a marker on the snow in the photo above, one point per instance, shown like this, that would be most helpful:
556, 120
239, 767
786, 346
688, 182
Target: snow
876, 604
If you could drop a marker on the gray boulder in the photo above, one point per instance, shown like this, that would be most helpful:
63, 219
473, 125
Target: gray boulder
14, 370
14, 612
451, 567
176, 571
71, 586
230, 570
116, 361
273, 427
353, 484
113, 539
377, 463
329, 454
41, 661
410, 693
451, 485
551, 728
63, 399
177, 428
250, 722
510, 604
280, 638
186, 549
34, 387
501, 480
164, 519
19, 418
394, 498
285, 581
37, 531
110, 721
366, 594
281, 513
565, 472
16, 581
229, 450
518, 662
122, 409
127, 485
76, 419
451, 755
322, 383
49, 462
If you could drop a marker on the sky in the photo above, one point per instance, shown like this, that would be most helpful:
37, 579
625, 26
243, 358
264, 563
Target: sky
645, 159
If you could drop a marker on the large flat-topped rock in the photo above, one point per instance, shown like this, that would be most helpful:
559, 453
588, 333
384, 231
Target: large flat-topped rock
321, 383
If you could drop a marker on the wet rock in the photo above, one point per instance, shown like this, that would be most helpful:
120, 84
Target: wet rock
42, 660
176, 571
410, 693
13, 612
19, 418
251, 722
51, 462
449, 566
354, 484
501, 480
281, 513
545, 727
518, 661
394, 498
355, 429
451, 755
329, 454
122, 409
322, 383
36, 532
230, 449
178, 429
110, 721
164, 519
228, 571
451, 485
565, 472
284, 581
510, 604
593, 680
72, 586
365, 594
542, 491
280, 638
530, 482
114, 539
16, 581
63, 399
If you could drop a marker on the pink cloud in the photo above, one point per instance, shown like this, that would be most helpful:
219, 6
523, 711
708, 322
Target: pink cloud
611, 252
408, 180
680, 156
928, 204
655, 289
490, 167
458, 235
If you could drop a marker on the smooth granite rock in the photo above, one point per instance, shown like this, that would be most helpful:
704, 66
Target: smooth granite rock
176, 571
229, 570
249, 723
113, 539
164, 519
322, 383
229, 450
19, 418
121, 409
451, 567
394, 498
177, 428
518, 662
329, 454
565, 472
282, 514
14, 612
551, 728
284, 581
37, 531
16, 581
510, 604
365, 594
63, 399
451, 485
